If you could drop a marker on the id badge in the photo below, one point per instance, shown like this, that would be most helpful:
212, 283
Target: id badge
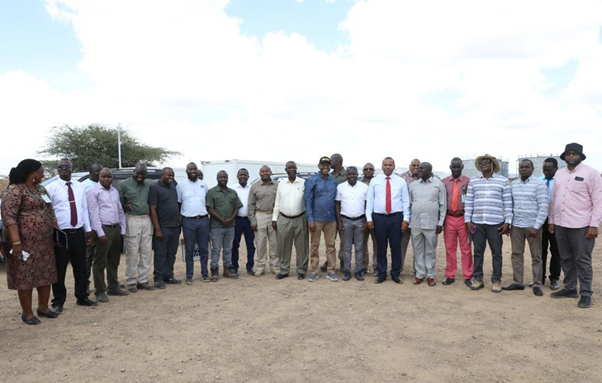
462, 197
46, 198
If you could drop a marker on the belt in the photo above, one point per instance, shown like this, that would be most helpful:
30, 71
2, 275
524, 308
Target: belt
354, 219
198, 216
291, 217
73, 231
243, 217
455, 213
387, 215
113, 225
265, 211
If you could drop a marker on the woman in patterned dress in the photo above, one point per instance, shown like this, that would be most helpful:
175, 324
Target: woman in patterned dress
29, 218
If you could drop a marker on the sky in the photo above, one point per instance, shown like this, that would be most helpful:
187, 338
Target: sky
280, 80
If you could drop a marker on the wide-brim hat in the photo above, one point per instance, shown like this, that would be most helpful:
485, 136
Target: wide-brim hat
494, 162
575, 147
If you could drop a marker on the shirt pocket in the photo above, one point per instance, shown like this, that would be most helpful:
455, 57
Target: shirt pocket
579, 187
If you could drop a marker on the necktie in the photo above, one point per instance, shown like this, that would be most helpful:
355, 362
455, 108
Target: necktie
388, 205
548, 182
454, 205
72, 205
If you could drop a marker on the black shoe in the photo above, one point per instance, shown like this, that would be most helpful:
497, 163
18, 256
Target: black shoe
250, 272
160, 285
300, 276
565, 293
585, 302
513, 286
33, 320
448, 281
324, 267
397, 279
364, 271
359, 276
537, 291
375, 272
281, 276
347, 275
86, 302
342, 265
468, 282
172, 281
380, 279
49, 314
57, 309
118, 292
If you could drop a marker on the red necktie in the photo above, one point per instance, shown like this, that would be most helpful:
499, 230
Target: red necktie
388, 205
454, 205
72, 205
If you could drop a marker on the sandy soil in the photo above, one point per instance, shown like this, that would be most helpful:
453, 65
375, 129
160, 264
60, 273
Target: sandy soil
264, 330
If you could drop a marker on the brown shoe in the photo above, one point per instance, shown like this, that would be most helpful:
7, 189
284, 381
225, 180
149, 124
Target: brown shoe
417, 280
145, 286
431, 281
229, 273
214, 274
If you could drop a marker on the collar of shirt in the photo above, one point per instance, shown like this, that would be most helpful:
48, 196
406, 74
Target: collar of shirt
525, 181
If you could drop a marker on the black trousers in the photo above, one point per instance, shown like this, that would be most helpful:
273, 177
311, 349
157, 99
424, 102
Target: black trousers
555, 267
76, 254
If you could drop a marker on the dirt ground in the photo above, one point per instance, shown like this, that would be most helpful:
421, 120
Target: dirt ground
264, 330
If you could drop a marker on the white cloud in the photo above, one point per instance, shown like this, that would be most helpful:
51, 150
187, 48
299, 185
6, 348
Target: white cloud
183, 76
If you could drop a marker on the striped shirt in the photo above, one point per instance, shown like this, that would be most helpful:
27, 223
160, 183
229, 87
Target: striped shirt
488, 201
530, 200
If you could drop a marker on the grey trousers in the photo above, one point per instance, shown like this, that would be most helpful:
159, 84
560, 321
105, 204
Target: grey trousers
353, 236
576, 258
292, 231
517, 238
221, 238
405, 241
424, 244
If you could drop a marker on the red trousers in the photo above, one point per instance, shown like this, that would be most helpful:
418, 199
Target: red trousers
454, 230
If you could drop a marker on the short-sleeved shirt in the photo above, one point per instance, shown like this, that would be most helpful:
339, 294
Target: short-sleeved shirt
340, 177
130, 192
224, 203
192, 197
165, 197
352, 199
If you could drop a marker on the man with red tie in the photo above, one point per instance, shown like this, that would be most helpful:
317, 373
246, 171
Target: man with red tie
454, 229
388, 213
71, 208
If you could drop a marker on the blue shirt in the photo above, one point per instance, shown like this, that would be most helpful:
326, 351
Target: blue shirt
319, 195
550, 184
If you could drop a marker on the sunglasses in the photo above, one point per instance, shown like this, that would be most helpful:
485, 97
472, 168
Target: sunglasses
367, 169
484, 162
64, 166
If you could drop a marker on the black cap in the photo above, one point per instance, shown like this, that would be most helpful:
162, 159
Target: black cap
574, 147
324, 160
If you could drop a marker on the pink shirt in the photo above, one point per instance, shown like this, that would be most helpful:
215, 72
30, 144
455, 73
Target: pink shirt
576, 200
104, 208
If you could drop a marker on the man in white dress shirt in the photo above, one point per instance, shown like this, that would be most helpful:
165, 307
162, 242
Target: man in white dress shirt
388, 213
71, 210
351, 217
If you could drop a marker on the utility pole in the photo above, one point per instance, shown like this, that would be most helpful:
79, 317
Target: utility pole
119, 143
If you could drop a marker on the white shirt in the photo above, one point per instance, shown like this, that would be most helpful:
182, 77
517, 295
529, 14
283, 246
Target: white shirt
58, 191
192, 197
352, 198
377, 197
289, 198
243, 195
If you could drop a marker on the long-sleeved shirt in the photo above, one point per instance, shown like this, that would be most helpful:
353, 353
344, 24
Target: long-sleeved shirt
243, 196
463, 182
409, 177
289, 198
376, 201
576, 198
262, 197
134, 194
104, 208
530, 203
428, 204
58, 192
488, 201
319, 195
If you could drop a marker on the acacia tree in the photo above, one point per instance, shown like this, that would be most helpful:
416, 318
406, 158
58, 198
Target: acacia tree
85, 145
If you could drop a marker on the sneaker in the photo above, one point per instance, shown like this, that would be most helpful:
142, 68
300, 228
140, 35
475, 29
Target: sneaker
448, 281
312, 277
259, 273
102, 297
146, 286
497, 287
347, 276
565, 293
188, 281
205, 278
160, 285
332, 277
477, 285
554, 285
132, 288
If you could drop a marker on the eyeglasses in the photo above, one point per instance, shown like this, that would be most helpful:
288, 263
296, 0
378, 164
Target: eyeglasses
368, 169
66, 167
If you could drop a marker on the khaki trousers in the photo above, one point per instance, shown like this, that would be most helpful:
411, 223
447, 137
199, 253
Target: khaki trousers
265, 233
517, 237
330, 230
138, 248
293, 231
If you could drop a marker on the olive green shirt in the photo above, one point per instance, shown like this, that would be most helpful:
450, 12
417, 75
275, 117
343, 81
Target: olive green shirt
224, 203
261, 198
341, 177
130, 192
367, 181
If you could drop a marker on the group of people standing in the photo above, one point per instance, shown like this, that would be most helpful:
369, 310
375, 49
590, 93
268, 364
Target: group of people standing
562, 211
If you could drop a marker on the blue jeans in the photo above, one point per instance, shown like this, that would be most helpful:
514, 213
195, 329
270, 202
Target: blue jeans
165, 253
221, 238
196, 233
388, 232
243, 226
